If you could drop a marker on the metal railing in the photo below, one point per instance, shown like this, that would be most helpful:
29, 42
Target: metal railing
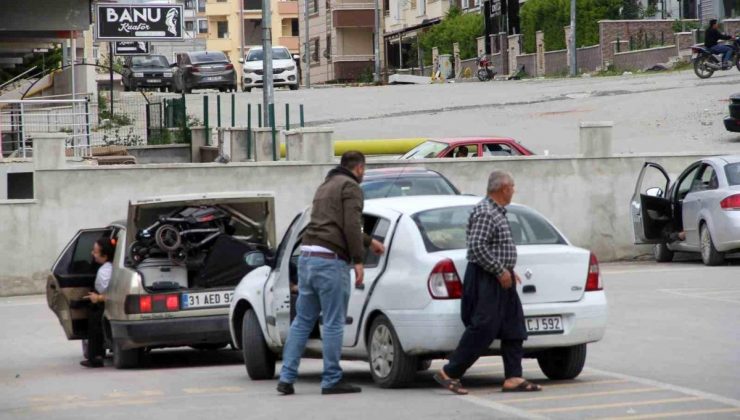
20, 120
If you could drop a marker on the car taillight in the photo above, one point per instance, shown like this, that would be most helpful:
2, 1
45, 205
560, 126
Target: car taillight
444, 283
730, 203
229, 66
593, 280
145, 304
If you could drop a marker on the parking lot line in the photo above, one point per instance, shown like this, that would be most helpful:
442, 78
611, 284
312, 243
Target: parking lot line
615, 405
676, 414
588, 394
581, 383
502, 408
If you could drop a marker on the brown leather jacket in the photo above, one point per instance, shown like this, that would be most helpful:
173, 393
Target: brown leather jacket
336, 217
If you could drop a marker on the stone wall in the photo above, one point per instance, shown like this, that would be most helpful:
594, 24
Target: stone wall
610, 30
639, 60
529, 63
684, 41
731, 26
589, 58
556, 62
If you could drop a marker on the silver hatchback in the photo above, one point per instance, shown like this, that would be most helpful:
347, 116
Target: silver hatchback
703, 202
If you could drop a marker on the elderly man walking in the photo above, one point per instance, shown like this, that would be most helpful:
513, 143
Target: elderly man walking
333, 240
490, 306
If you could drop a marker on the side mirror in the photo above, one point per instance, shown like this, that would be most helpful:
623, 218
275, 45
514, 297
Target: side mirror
173, 65
296, 57
654, 192
255, 259
241, 60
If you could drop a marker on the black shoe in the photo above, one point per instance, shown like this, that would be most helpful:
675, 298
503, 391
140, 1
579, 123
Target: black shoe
285, 388
92, 363
341, 388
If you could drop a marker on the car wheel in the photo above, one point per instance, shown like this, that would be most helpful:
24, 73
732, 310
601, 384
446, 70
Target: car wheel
126, 359
709, 254
390, 366
258, 359
662, 253
563, 362
248, 89
423, 365
293, 86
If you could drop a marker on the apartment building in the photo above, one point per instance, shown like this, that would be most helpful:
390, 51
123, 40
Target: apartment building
226, 19
341, 35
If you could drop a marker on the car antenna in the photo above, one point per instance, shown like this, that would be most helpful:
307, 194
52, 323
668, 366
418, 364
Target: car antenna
403, 171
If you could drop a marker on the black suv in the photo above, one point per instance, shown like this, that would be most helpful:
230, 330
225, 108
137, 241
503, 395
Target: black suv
146, 71
204, 70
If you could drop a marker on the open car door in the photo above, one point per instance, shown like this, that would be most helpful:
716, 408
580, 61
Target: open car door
650, 209
72, 278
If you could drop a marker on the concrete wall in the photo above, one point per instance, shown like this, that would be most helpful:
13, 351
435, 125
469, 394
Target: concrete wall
639, 60
168, 153
588, 198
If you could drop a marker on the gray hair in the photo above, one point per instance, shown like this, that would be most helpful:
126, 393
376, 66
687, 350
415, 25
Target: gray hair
499, 179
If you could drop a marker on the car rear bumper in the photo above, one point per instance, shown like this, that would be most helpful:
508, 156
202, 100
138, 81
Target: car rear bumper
732, 124
171, 332
438, 328
209, 80
726, 230
150, 82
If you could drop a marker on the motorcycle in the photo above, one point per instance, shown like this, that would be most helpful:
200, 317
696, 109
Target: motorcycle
706, 63
485, 73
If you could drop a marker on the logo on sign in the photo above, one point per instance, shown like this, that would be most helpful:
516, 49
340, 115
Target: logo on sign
172, 21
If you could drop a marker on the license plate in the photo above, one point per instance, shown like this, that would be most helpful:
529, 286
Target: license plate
213, 78
153, 80
206, 299
544, 324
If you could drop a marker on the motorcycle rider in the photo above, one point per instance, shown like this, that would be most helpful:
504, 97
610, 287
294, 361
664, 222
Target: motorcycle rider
711, 38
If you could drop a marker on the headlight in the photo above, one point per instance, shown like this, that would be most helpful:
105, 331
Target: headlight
167, 74
138, 74
289, 68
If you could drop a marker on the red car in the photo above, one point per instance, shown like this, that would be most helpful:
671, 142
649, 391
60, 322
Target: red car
467, 147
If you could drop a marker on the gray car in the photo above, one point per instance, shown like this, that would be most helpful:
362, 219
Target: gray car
176, 264
703, 202
146, 71
204, 70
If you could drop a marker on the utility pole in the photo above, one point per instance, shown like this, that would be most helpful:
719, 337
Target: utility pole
241, 37
268, 90
110, 74
306, 48
376, 75
574, 51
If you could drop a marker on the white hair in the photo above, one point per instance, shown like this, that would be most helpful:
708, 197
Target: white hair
499, 179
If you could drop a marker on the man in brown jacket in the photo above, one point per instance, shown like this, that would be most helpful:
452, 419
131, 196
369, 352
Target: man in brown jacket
333, 240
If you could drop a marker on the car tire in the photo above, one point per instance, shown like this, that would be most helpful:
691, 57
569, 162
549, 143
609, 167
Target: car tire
247, 89
293, 86
562, 362
662, 253
126, 359
390, 366
709, 254
423, 365
258, 358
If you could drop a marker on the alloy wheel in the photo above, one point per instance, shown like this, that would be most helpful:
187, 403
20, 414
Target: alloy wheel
381, 351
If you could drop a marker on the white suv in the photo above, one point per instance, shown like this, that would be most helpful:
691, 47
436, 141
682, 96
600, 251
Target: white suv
284, 71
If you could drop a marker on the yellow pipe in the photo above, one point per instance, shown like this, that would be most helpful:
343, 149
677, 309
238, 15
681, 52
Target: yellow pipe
373, 146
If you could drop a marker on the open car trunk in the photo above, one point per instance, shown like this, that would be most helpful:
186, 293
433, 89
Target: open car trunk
198, 241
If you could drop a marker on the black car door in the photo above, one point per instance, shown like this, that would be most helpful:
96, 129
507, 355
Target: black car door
650, 210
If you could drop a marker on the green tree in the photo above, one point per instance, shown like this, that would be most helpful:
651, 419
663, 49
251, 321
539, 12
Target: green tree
630, 9
551, 16
455, 27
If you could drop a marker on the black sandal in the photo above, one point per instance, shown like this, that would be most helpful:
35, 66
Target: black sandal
525, 386
452, 385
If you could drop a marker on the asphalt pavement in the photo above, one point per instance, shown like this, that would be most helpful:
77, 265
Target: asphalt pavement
672, 349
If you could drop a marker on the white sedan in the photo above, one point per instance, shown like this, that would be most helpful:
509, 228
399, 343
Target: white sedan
408, 313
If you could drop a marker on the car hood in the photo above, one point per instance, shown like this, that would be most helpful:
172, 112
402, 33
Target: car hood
258, 206
276, 64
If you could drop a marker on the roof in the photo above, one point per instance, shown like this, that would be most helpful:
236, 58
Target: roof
454, 140
418, 203
398, 172
727, 159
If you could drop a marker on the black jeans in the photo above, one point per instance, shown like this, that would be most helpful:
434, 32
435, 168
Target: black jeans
95, 338
489, 312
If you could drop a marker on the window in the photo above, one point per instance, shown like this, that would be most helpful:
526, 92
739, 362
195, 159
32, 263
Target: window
387, 7
732, 172
189, 25
378, 228
294, 27
202, 26
406, 186
428, 149
252, 5
685, 183
201, 6
314, 50
313, 6
465, 150
189, 4
499, 149
223, 29
707, 180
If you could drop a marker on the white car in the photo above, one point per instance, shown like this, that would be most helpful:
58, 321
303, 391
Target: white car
409, 310
284, 71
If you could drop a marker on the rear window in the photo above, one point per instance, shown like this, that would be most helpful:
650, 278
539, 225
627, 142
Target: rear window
444, 229
733, 173
208, 57
406, 186
149, 61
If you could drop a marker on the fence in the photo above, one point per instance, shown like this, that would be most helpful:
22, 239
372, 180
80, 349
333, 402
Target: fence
21, 119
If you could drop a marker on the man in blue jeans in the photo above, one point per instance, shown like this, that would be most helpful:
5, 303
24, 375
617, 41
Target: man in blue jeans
711, 41
332, 244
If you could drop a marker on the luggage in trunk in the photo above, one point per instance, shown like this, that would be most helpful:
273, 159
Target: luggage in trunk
224, 266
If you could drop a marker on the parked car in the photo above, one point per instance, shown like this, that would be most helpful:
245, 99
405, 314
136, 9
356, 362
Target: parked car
176, 264
146, 71
284, 71
703, 202
732, 121
409, 310
393, 182
469, 147
204, 70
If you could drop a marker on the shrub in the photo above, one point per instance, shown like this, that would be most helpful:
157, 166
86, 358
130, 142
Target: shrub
455, 27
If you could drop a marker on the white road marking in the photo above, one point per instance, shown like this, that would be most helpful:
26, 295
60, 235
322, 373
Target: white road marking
502, 408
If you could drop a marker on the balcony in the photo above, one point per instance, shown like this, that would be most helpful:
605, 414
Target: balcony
217, 8
353, 18
288, 8
290, 42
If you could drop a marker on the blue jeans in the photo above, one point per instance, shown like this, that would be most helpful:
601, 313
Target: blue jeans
323, 287
722, 49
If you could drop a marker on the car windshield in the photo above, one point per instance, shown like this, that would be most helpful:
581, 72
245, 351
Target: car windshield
277, 54
444, 229
394, 187
208, 57
428, 149
733, 173
149, 61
